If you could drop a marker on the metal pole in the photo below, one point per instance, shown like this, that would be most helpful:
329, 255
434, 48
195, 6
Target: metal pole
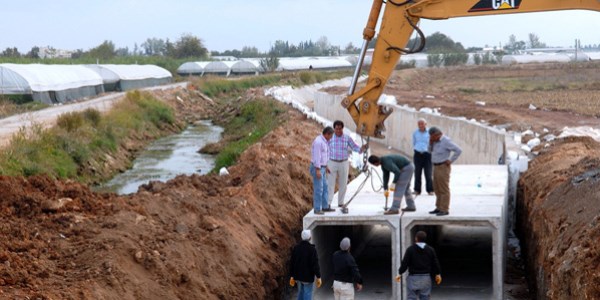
361, 59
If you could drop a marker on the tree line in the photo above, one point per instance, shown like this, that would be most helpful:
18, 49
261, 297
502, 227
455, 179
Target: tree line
442, 49
187, 46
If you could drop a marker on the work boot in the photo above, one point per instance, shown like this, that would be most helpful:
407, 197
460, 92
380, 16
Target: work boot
442, 213
391, 212
435, 211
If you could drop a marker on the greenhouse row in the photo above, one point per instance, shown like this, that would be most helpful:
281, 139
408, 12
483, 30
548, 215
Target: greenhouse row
63, 83
249, 66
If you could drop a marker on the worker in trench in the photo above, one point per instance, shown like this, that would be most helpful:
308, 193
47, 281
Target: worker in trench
346, 275
422, 264
304, 267
403, 170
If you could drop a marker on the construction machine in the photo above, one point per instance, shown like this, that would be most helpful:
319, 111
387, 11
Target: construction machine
400, 20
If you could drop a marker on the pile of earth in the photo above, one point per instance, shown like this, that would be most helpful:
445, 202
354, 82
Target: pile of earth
560, 220
213, 237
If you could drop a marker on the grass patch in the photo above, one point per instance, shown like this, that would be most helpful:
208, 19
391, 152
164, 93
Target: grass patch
469, 90
16, 104
81, 138
213, 86
218, 86
255, 119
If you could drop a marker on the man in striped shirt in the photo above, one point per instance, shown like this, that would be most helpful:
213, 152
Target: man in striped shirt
319, 155
339, 147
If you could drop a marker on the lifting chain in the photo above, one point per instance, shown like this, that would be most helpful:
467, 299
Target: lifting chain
368, 174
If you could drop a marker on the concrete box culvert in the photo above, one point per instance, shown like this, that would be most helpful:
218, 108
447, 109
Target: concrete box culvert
466, 257
471, 240
466, 254
371, 247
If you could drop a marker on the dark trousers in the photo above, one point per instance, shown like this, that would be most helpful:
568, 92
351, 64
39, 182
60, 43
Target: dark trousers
423, 165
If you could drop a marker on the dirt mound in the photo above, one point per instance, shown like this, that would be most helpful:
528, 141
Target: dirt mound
560, 218
206, 237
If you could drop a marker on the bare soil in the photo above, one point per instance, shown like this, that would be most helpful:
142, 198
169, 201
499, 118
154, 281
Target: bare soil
211, 237
201, 236
560, 220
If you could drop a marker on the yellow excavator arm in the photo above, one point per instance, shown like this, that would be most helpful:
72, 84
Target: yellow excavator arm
400, 19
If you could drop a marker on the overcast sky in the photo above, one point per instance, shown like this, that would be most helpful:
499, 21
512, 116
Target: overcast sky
232, 24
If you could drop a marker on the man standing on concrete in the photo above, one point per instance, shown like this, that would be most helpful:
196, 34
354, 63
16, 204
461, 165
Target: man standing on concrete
319, 156
304, 267
403, 171
345, 273
443, 153
422, 157
338, 163
422, 264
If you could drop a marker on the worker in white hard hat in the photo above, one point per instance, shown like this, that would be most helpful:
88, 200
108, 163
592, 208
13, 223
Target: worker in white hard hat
304, 267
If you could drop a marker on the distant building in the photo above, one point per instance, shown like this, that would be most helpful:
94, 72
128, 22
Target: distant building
224, 58
49, 52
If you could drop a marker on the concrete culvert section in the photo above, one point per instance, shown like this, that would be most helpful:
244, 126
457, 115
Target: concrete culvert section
465, 254
470, 241
371, 246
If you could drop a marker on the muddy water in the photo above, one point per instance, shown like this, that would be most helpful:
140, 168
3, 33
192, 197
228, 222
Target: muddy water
168, 157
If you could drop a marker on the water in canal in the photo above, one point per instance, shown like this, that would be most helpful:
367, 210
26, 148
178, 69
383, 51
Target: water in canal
168, 157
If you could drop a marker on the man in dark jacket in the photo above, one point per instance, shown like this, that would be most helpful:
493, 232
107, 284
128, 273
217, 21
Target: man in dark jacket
422, 264
345, 273
304, 266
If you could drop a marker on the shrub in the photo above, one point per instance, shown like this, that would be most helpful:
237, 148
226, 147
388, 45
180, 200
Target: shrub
80, 137
306, 77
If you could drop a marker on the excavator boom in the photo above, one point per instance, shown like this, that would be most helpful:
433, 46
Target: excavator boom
400, 20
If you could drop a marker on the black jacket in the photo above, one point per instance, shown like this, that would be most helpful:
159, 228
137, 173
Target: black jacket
345, 268
304, 265
420, 261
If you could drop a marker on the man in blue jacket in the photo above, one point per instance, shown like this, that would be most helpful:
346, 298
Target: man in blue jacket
304, 267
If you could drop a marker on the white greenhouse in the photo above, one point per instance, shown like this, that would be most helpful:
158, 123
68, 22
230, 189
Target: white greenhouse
538, 58
317, 63
593, 55
192, 68
129, 77
219, 67
245, 67
50, 83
